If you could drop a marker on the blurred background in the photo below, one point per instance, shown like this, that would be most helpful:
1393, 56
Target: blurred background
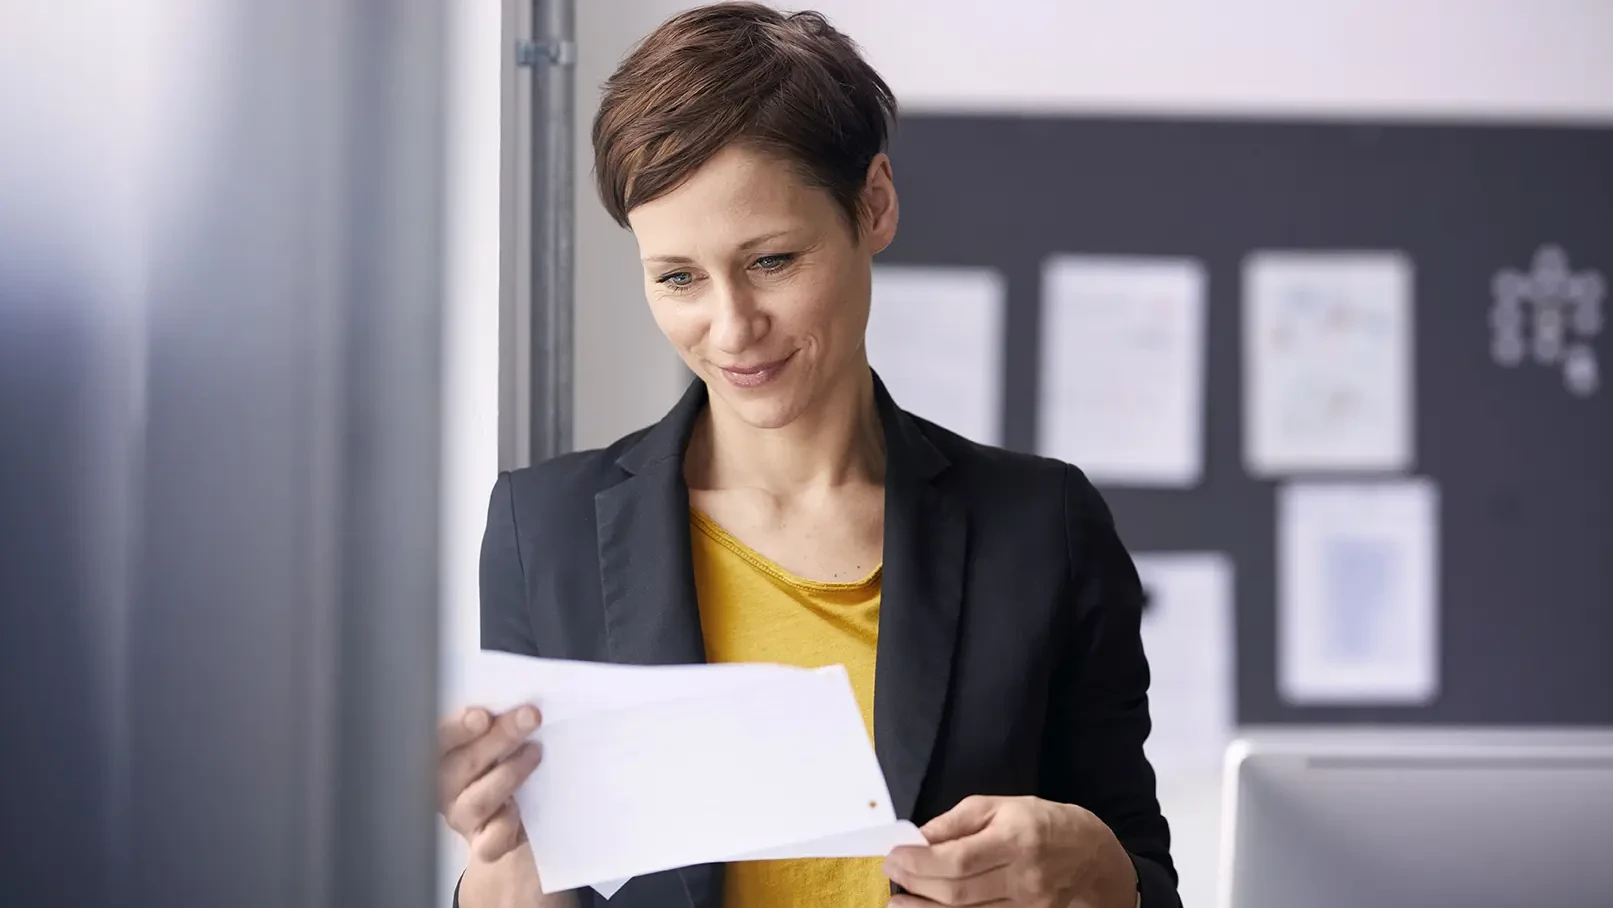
283, 286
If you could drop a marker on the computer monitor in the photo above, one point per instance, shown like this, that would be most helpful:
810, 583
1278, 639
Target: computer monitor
1390, 822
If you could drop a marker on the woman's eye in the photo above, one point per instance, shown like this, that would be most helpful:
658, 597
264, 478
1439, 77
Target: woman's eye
676, 279
773, 262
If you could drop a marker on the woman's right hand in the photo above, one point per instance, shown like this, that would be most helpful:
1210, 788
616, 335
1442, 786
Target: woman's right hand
483, 759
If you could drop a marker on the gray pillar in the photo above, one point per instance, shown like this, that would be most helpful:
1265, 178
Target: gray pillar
220, 653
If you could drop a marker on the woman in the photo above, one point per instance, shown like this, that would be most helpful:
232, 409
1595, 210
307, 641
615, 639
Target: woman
787, 510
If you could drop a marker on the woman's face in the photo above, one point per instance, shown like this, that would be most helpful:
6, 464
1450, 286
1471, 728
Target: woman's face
757, 280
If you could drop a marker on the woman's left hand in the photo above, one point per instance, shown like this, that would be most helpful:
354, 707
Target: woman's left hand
1014, 853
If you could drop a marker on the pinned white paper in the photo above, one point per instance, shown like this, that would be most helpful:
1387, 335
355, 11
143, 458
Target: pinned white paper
1358, 592
1327, 362
935, 336
648, 769
1187, 631
1122, 368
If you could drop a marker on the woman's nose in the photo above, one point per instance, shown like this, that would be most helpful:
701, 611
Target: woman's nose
738, 322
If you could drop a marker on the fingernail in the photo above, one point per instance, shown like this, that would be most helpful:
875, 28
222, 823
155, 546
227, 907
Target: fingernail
526, 719
476, 721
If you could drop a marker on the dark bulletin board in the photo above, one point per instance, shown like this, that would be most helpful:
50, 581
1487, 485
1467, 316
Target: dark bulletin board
1525, 469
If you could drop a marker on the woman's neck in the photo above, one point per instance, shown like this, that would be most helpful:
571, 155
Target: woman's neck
839, 441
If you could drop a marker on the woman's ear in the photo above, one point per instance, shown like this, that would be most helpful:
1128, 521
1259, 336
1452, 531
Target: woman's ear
880, 207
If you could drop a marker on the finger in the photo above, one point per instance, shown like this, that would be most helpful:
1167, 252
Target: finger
466, 764
499, 835
461, 728
483, 797
982, 889
963, 842
970, 856
970, 816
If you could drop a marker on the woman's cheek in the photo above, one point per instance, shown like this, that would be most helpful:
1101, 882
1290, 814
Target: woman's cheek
680, 324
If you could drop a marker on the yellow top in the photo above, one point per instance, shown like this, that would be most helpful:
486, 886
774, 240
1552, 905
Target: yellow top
752, 610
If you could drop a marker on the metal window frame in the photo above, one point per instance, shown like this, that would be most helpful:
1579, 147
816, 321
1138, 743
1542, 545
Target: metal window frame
537, 231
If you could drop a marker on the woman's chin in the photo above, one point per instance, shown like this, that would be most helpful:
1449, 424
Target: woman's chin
768, 414
772, 409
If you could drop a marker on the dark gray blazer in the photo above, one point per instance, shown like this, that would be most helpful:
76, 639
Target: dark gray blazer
1009, 658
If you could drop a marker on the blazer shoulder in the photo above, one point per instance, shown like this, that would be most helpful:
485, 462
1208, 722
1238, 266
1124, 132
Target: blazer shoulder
993, 464
571, 480
1003, 472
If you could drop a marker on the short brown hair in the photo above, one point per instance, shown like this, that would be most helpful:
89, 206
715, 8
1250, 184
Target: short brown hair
784, 83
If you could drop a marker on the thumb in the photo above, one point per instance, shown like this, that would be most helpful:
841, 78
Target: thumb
969, 817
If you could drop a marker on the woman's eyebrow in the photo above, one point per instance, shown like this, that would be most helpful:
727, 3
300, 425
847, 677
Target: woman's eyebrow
668, 260
765, 238
751, 243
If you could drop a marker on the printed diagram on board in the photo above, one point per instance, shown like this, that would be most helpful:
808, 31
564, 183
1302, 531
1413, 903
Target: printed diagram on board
1551, 315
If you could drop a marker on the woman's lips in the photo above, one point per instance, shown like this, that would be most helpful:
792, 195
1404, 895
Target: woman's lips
754, 376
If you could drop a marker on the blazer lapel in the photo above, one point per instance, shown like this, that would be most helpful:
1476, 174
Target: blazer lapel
920, 602
647, 579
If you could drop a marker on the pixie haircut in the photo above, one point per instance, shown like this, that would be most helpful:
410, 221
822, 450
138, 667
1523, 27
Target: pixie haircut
785, 84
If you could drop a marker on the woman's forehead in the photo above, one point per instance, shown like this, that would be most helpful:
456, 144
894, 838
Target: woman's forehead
736, 199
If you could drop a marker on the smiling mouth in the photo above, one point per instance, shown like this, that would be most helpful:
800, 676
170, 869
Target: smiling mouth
754, 376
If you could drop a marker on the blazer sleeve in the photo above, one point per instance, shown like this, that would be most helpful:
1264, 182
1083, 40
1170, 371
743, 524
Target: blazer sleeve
502, 578
1094, 746
506, 625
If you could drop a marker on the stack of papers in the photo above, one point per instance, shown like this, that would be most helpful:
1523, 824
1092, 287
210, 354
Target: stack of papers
651, 768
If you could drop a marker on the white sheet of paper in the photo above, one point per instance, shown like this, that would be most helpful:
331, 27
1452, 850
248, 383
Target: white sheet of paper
875, 841
935, 336
652, 768
1358, 592
1188, 635
1327, 362
564, 689
1122, 368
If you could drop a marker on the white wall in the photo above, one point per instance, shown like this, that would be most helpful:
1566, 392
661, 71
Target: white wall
470, 340
1512, 58
626, 375
1479, 59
